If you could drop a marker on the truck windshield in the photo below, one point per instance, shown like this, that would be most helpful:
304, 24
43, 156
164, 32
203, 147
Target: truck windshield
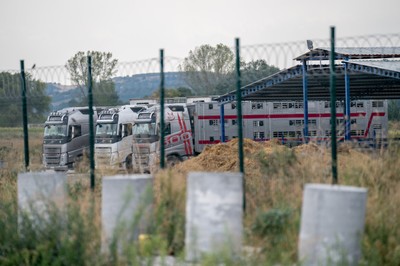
108, 130
55, 131
144, 129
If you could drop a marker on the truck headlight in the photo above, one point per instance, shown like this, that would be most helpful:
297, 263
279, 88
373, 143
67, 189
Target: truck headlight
64, 158
114, 157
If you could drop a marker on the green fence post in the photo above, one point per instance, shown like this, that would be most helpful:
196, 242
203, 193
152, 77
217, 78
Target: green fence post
239, 118
24, 115
162, 126
91, 123
333, 107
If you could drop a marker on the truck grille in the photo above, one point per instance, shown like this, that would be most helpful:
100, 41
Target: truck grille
103, 155
52, 156
142, 156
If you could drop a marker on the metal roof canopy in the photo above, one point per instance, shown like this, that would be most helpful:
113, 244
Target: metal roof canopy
351, 53
373, 79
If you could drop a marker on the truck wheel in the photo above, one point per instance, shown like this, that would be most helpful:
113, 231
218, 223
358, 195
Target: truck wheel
173, 160
76, 164
128, 164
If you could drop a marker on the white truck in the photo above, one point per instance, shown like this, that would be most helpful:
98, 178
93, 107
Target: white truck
113, 141
146, 136
66, 137
189, 127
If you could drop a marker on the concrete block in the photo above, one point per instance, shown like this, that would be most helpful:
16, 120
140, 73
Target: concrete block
126, 206
214, 214
332, 224
40, 192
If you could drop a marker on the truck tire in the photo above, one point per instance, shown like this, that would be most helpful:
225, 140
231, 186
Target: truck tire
128, 164
77, 163
173, 160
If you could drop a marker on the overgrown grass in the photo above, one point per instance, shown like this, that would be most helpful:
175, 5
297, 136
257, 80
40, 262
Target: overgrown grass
274, 187
394, 129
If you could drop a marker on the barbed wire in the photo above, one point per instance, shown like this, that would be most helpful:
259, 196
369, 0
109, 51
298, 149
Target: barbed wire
279, 55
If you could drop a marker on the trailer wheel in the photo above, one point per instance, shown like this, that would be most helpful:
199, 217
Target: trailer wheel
173, 160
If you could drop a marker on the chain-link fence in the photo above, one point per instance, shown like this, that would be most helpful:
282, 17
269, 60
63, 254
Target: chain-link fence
285, 100
210, 70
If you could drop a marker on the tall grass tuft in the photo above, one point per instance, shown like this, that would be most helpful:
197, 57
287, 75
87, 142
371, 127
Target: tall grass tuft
49, 236
275, 177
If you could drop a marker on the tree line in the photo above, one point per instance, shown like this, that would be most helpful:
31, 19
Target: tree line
208, 70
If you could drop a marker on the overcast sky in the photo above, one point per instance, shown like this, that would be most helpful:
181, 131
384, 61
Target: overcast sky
49, 32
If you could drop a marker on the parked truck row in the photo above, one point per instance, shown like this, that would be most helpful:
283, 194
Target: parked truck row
66, 136
128, 137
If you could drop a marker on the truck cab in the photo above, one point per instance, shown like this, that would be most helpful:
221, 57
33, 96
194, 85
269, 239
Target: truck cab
146, 136
113, 141
66, 137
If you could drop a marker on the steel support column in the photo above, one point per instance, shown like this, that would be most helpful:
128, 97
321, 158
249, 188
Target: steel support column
162, 123
333, 107
347, 102
305, 101
222, 122
91, 122
239, 118
24, 115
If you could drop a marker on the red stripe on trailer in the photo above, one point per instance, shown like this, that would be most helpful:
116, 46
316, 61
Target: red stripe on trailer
370, 121
268, 116
209, 141
285, 139
202, 117
361, 114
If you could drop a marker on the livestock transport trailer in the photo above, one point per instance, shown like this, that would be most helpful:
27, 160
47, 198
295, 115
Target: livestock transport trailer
285, 121
189, 127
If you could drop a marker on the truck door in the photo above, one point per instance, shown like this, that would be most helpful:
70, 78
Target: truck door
77, 142
125, 145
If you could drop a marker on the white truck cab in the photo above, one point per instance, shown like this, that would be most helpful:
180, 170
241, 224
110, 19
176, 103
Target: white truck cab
113, 141
66, 137
146, 136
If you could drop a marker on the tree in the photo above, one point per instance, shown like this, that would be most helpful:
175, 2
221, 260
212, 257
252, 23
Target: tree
38, 103
171, 93
105, 94
394, 110
256, 70
250, 72
103, 69
211, 70
207, 67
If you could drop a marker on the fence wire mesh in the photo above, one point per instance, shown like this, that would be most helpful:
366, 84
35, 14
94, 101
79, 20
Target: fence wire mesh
206, 71
210, 71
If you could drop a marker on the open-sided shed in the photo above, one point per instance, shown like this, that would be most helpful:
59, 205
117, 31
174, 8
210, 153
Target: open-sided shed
361, 73
372, 74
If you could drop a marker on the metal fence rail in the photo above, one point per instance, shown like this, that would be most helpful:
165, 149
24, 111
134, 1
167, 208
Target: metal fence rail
218, 72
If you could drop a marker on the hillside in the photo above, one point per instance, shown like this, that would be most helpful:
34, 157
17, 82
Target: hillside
139, 86
136, 86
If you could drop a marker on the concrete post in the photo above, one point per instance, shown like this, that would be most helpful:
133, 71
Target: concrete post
332, 224
38, 191
126, 205
214, 214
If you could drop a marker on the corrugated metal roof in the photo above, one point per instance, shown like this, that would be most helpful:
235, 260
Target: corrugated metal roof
351, 53
391, 65
378, 79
